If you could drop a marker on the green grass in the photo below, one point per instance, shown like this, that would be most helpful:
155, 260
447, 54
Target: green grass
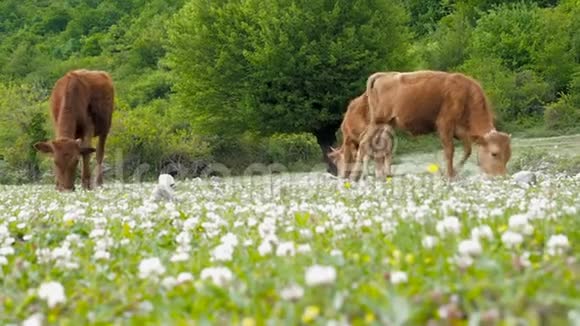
367, 232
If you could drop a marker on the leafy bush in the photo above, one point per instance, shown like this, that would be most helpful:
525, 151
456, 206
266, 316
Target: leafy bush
24, 122
525, 37
543, 160
518, 97
144, 143
563, 114
294, 151
445, 48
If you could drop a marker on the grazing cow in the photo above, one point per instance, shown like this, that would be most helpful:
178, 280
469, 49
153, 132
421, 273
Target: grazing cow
451, 104
82, 106
353, 128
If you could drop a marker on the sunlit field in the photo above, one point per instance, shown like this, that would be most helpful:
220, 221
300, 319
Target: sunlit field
294, 248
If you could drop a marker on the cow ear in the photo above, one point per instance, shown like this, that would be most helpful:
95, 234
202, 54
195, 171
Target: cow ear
479, 140
44, 147
87, 150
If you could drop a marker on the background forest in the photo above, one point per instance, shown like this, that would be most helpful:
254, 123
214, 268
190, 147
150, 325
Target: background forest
240, 82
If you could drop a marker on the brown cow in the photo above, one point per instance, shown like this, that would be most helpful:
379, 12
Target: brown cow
353, 127
82, 108
451, 104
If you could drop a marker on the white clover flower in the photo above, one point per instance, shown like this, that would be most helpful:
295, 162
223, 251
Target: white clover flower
286, 249
482, 232
519, 223
230, 239
220, 276
470, 248
151, 267
306, 233
96, 233
463, 261
183, 238
101, 255
6, 251
3, 261
335, 252
292, 292
179, 257
222, 252
36, 319
169, 282
511, 239
303, 248
265, 248
145, 307
52, 293
557, 244
524, 259
449, 225
320, 275
398, 277
429, 241
184, 277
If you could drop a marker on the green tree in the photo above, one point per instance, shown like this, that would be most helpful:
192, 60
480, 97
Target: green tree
23, 124
281, 66
426, 14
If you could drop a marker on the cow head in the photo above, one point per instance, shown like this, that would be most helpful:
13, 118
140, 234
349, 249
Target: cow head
336, 156
494, 152
66, 153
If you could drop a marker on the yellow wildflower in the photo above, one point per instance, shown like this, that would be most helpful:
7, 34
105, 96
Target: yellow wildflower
396, 254
310, 313
369, 317
410, 259
433, 168
248, 321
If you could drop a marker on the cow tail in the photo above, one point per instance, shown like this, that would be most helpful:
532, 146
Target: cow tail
370, 90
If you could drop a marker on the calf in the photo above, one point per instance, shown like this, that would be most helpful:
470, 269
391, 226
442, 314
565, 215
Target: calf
353, 128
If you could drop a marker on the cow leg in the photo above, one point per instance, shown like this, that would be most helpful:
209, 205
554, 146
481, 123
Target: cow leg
380, 165
99, 156
356, 169
388, 161
447, 141
466, 151
362, 152
342, 164
86, 171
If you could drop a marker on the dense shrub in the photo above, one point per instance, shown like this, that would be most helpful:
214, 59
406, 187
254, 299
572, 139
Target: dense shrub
24, 121
294, 151
445, 49
565, 113
144, 143
518, 98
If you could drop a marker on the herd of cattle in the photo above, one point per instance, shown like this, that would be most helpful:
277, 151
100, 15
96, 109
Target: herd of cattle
420, 102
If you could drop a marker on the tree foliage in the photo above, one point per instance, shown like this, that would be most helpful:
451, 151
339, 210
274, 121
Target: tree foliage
281, 66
